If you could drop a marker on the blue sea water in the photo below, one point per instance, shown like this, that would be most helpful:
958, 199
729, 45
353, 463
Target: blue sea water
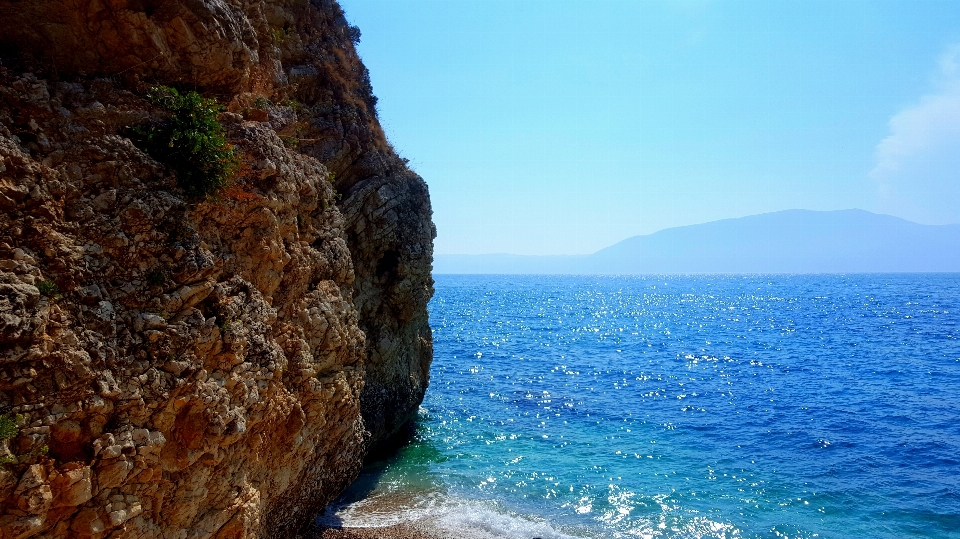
684, 407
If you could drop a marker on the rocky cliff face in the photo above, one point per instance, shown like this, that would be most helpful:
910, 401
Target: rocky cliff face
181, 368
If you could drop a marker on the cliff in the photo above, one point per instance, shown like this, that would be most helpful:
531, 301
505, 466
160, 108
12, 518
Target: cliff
174, 366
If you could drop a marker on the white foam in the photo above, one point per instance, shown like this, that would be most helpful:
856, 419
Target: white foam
475, 521
460, 518
381, 510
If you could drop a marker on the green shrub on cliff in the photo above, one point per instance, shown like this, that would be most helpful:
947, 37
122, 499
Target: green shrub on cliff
49, 289
9, 426
191, 141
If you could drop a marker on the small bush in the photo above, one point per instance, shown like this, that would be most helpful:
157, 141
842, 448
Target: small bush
229, 325
332, 178
279, 35
353, 34
191, 141
48, 288
292, 103
9, 426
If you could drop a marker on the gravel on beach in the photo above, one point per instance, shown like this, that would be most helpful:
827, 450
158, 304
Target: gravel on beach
399, 531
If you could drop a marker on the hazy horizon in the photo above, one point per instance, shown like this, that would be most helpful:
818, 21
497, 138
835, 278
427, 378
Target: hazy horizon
563, 127
704, 223
791, 242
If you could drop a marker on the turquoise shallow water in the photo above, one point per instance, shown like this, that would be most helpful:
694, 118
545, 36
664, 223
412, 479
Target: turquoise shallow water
713, 406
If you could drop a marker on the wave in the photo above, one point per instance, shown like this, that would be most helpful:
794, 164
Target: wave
452, 516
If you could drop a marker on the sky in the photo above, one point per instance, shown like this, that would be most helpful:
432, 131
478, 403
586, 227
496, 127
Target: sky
563, 127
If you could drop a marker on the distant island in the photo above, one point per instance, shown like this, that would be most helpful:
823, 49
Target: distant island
791, 241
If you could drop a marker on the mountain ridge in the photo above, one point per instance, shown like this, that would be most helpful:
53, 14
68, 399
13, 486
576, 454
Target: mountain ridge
788, 241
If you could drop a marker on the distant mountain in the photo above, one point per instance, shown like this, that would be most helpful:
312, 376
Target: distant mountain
792, 241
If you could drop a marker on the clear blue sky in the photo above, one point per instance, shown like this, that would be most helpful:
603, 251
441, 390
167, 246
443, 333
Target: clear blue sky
562, 127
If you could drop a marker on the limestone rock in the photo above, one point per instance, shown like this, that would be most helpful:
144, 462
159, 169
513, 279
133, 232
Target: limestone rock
183, 368
392, 247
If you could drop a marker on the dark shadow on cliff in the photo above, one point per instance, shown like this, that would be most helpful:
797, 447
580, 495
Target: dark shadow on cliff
392, 445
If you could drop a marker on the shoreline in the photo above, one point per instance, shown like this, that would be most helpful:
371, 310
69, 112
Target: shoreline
463, 525
397, 531
420, 514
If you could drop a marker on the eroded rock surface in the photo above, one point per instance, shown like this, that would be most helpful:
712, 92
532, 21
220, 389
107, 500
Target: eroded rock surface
183, 368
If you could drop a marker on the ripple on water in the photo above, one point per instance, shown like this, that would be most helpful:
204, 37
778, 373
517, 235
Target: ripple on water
727, 406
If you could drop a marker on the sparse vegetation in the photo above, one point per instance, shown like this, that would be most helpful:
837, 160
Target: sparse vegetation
292, 103
366, 89
27, 457
228, 325
332, 178
353, 33
9, 426
49, 289
191, 141
293, 140
279, 35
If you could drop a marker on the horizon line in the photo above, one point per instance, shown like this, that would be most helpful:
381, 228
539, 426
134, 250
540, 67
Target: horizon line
699, 224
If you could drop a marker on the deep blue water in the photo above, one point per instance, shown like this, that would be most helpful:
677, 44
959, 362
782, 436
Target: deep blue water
705, 406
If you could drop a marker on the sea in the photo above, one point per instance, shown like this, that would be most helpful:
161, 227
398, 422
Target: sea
715, 406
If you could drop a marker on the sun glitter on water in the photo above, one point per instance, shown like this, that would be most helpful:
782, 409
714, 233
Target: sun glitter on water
713, 407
